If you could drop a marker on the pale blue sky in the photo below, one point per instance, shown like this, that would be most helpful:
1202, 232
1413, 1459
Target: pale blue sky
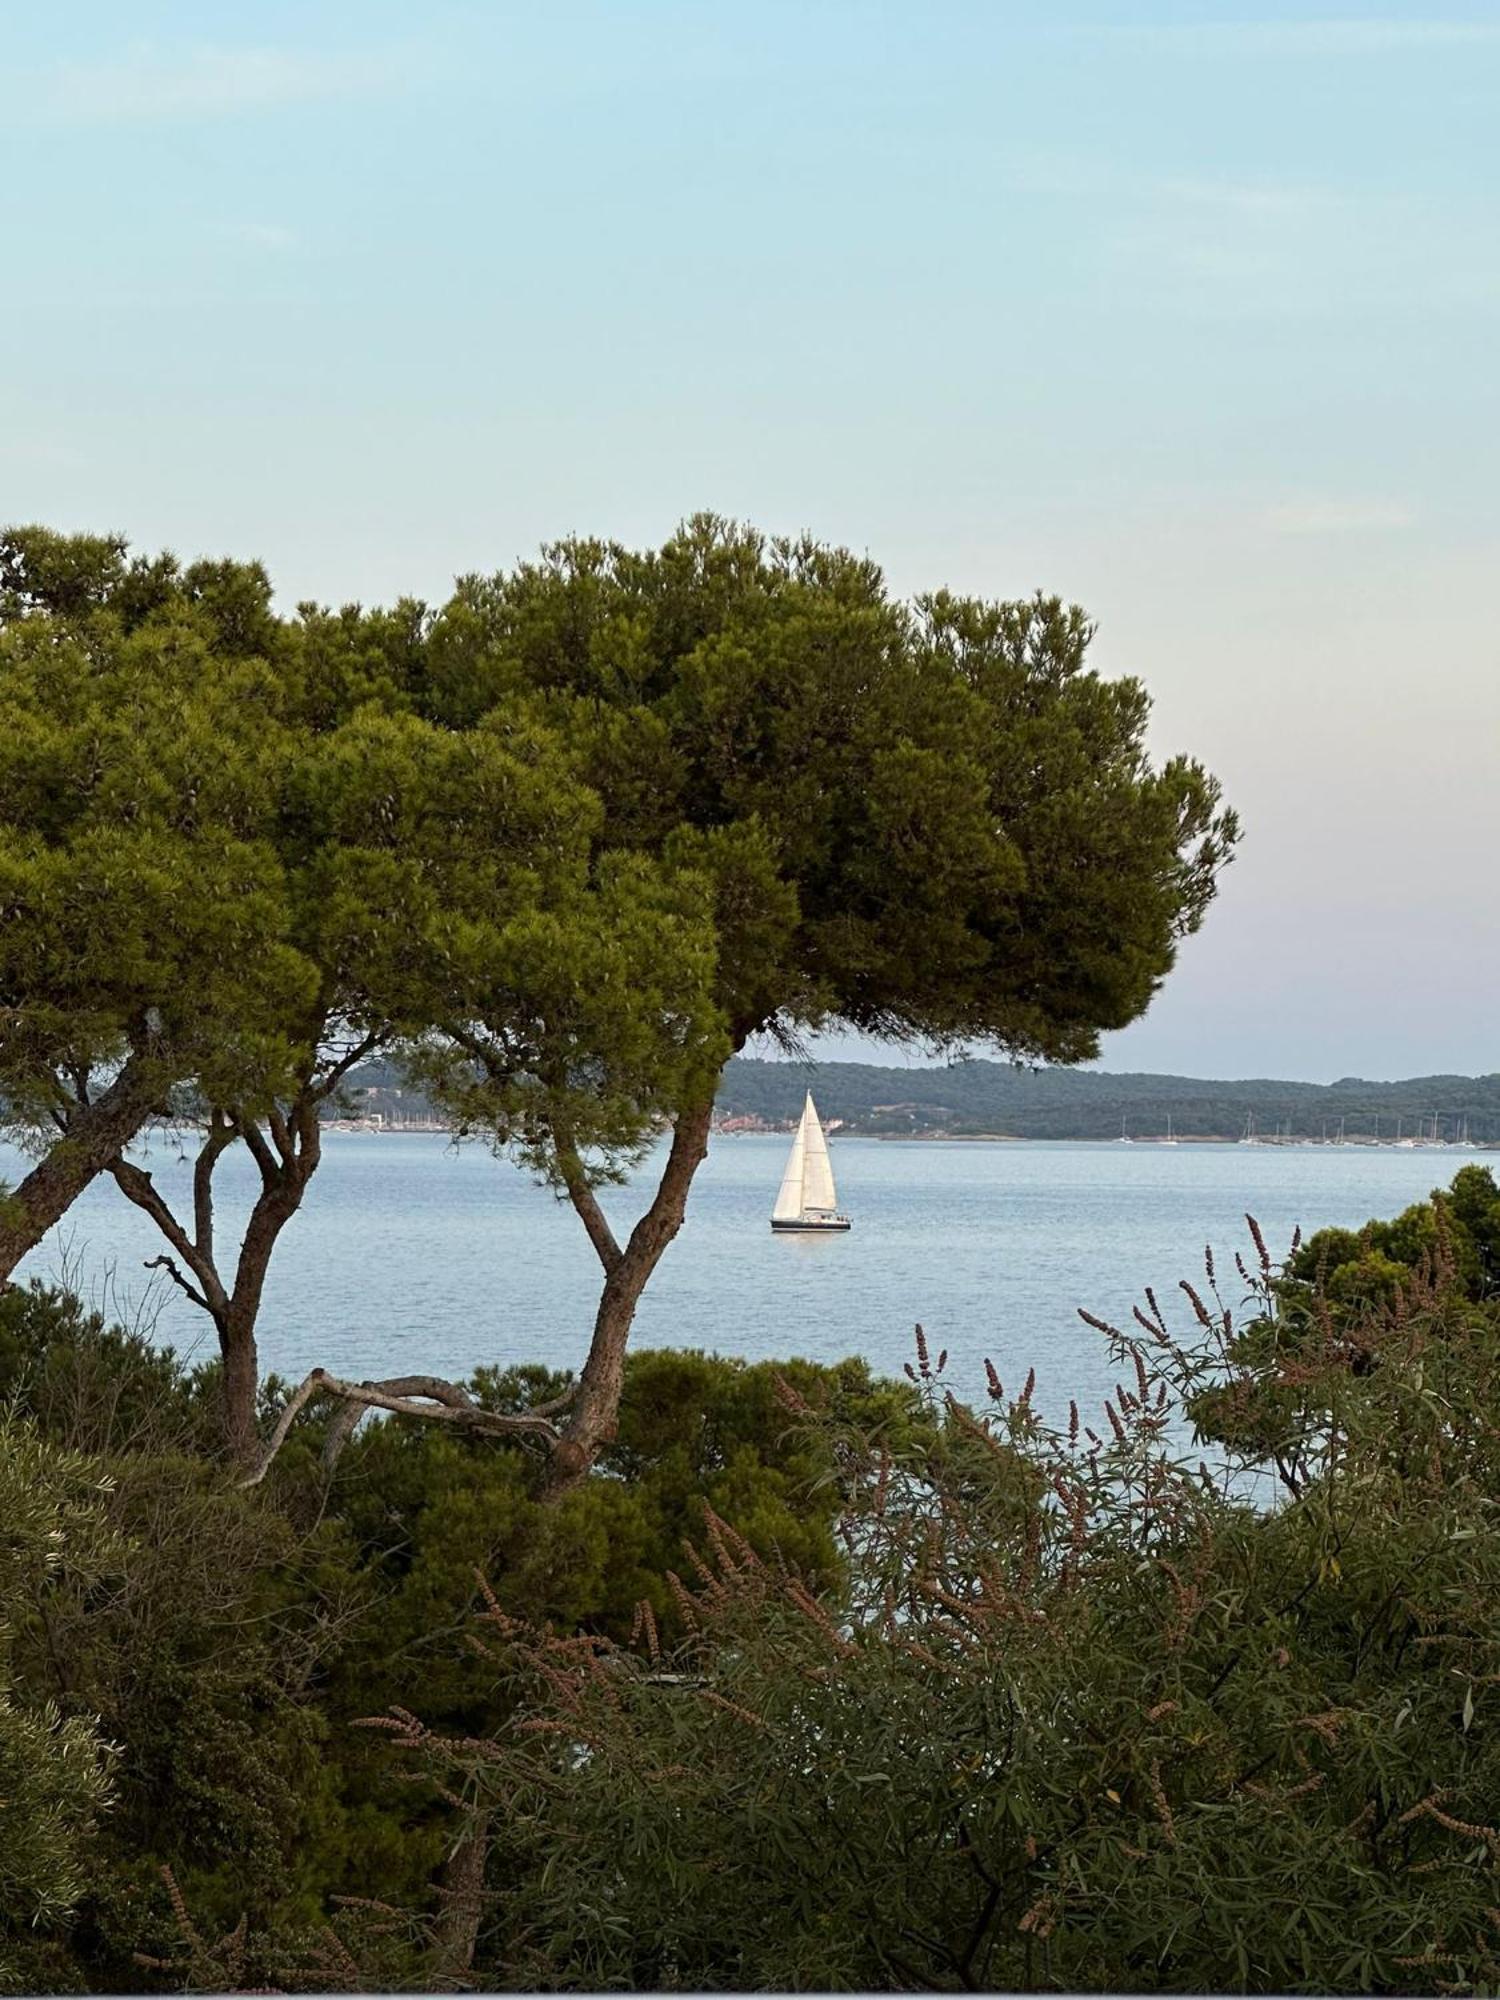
1188, 313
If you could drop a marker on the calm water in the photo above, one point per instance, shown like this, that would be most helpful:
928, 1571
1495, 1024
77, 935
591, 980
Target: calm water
410, 1255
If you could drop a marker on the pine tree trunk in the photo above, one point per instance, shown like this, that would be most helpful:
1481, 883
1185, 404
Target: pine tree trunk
97, 1134
594, 1412
279, 1202
241, 1363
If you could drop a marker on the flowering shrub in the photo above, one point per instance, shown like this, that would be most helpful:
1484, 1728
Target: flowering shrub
1091, 1712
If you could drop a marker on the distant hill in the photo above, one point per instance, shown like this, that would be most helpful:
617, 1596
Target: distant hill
970, 1098
989, 1097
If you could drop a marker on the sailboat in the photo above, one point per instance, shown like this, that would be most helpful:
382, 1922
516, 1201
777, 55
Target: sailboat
807, 1200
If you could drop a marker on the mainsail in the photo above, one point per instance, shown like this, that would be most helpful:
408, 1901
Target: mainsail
789, 1201
807, 1184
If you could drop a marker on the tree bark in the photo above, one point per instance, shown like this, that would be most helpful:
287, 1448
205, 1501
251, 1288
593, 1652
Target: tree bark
241, 1359
285, 1170
280, 1198
457, 1930
592, 1419
97, 1133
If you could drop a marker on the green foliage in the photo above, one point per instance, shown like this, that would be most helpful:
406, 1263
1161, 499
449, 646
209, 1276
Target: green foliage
54, 1766
1458, 1228
142, 898
1060, 1103
430, 1511
94, 1387
227, 836
929, 821
237, 852
1345, 1305
238, 1636
1079, 1717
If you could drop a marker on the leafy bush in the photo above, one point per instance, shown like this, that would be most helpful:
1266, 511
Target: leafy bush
96, 1387
240, 1634
54, 1768
1086, 1715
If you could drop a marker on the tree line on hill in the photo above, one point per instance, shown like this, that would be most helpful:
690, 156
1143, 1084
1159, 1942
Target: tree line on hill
1060, 1103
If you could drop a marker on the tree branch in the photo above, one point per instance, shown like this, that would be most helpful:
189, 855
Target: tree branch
90, 1138
315, 1384
337, 1071
307, 1134
260, 1152
426, 1396
220, 1135
165, 1263
591, 1422
137, 1186
280, 1134
584, 1201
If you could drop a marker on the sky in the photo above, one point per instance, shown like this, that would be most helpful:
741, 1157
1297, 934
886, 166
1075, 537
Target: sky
1188, 314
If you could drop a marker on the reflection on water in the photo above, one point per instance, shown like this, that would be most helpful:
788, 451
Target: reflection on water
412, 1255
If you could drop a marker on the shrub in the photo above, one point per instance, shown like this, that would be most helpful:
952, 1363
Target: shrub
54, 1768
1084, 1716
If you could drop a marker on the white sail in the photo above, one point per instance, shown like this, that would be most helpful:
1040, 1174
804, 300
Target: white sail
817, 1170
789, 1202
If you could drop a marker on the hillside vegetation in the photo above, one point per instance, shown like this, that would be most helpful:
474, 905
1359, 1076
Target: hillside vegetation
1002, 1098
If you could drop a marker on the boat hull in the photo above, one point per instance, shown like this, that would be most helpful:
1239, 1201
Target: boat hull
811, 1227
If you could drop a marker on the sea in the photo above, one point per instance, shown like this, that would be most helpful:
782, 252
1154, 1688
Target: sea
415, 1255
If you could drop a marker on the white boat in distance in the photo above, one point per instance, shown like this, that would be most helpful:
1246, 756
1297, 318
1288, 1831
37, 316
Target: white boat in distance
807, 1200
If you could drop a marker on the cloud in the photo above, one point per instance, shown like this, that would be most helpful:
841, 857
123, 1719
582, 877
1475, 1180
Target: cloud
1338, 517
1371, 36
148, 84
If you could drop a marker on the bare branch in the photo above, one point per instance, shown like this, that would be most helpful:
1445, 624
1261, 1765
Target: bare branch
165, 1263
337, 1071
344, 1422
316, 1384
554, 1404
137, 1186
426, 1396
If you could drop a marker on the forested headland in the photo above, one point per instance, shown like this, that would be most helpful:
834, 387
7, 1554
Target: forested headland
1010, 1101
979, 1099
